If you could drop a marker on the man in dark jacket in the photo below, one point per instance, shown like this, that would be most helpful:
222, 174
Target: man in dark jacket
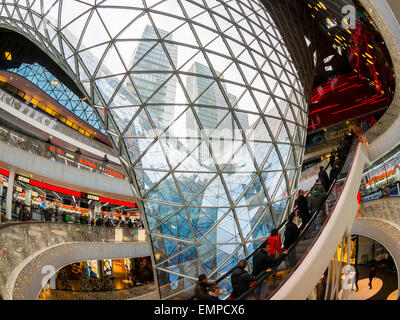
317, 199
323, 176
291, 235
334, 173
241, 279
262, 261
302, 206
291, 232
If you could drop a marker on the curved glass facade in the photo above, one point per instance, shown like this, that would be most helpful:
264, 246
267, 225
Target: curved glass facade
205, 105
53, 87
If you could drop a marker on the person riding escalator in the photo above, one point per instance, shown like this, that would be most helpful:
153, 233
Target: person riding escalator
263, 261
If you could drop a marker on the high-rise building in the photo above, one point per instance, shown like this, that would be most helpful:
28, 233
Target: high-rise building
151, 56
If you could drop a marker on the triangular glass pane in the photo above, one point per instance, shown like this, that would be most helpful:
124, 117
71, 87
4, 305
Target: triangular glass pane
166, 191
213, 96
123, 116
214, 195
202, 219
260, 151
242, 161
126, 95
246, 103
237, 183
157, 212
140, 127
200, 159
260, 132
205, 35
95, 32
273, 162
191, 184
111, 64
279, 210
153, 159
225, 231
177, 226
141, 28
147, 178
255, 195
136, 147
264, 227
167, 92
157, 53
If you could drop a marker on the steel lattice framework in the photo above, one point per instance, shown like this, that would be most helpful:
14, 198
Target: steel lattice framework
165, 78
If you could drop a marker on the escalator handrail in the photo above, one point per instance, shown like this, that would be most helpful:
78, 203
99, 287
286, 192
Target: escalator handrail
265, 275
259, 247
44, 143
278, 228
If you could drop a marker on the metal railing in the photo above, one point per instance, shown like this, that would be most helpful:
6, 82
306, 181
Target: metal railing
59, 154
316, 217
268, 283
20, 240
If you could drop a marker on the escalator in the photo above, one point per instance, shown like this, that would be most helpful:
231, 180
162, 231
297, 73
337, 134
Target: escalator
312, 252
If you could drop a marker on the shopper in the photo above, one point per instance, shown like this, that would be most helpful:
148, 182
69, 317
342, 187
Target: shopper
262, 261
99, 222
274, 241
241, 279
334, 173
323, 176
104, 163
332, 159
213, 293
202, 287
317, 199
24, 213
372, 274
303, 212
291, 235
356, 276
78, 154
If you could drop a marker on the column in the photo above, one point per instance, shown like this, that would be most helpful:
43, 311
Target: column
28, 197
100, 269
97, 209
10, 194
1, 199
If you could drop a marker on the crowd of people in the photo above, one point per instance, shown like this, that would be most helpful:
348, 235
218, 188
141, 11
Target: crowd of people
271, 252
25, 213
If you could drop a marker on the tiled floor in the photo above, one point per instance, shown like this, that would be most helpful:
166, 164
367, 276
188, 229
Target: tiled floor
384, 286
132, 293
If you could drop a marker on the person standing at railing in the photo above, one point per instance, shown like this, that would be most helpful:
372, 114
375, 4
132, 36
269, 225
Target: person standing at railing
77, 156
24, 214
104, 163
47, 147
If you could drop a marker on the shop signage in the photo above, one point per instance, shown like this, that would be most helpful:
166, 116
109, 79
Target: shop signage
90, 196
23, 179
